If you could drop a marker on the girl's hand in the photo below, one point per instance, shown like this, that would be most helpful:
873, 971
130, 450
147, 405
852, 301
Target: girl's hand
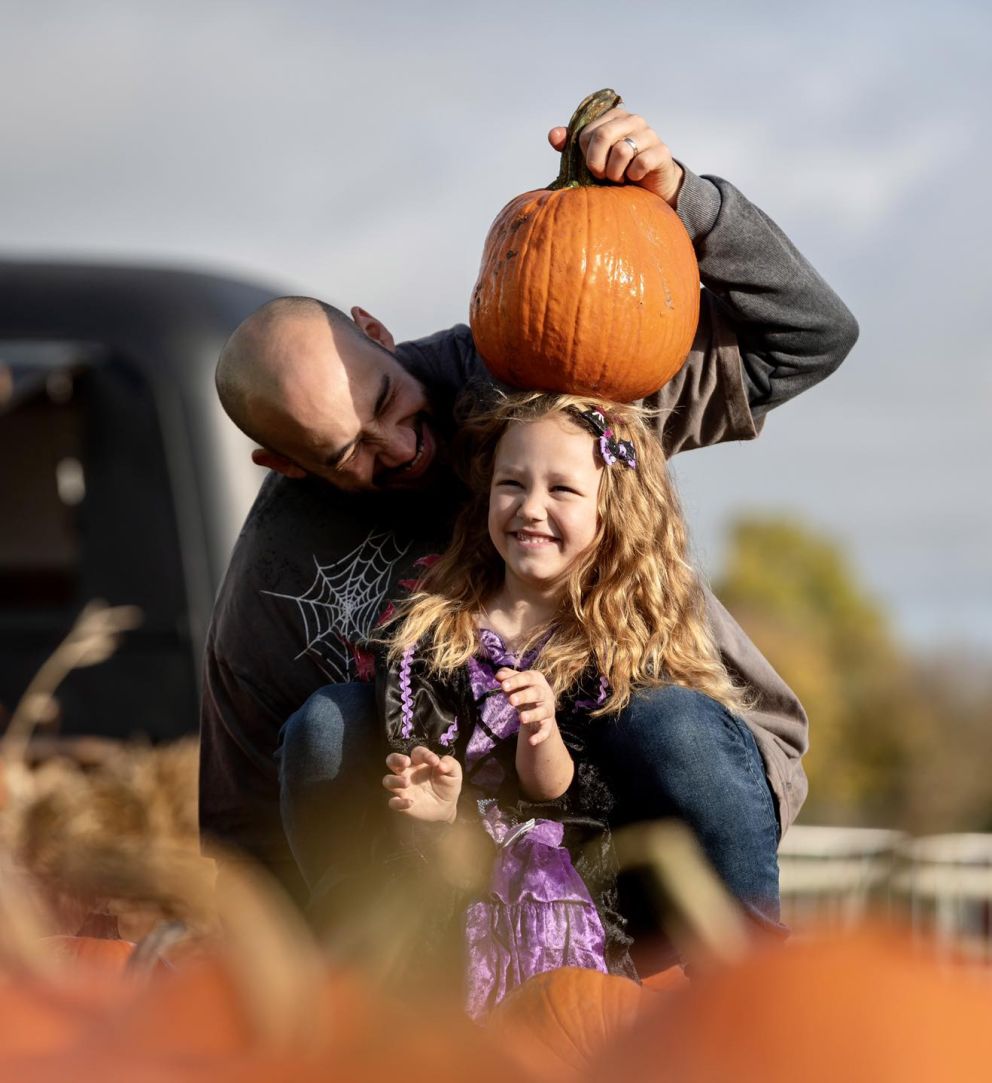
531, 694
424, 785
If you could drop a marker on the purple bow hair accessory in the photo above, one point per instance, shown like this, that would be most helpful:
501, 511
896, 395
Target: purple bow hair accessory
611, 449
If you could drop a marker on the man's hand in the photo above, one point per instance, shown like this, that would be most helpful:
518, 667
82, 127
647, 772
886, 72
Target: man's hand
607, 155
425, 786
531, 694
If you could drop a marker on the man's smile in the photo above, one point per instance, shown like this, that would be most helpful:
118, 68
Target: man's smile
415, 467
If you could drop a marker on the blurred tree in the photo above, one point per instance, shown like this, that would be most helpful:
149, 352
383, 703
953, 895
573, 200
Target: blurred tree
888, 734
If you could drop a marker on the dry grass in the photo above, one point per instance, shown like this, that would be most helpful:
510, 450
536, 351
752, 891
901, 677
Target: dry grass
109, 839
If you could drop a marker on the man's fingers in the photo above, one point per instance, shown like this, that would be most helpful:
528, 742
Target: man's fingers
655, 158
395, 782
400, 804
611, 156
556, 137
535, 715
597, 138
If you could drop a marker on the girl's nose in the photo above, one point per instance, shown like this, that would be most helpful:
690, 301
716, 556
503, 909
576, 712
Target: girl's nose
531, 508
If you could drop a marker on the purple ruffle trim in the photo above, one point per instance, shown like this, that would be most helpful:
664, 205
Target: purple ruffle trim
538, 914
406, 695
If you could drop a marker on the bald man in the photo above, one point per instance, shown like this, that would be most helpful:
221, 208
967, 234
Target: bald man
325, 397
354, 429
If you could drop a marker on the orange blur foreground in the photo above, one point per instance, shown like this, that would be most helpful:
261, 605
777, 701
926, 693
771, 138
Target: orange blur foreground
863, 1006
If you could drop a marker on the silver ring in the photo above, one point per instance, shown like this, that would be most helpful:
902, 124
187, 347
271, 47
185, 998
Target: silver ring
630, 143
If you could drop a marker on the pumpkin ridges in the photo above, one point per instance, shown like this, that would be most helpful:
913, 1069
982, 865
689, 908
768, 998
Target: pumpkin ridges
542, 240
586, 307
558, 1021
558, 309
493, 289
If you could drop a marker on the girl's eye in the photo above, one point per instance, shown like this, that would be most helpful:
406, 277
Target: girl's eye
565, 489
508, 482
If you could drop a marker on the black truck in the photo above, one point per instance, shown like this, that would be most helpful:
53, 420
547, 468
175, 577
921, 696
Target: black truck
120, 479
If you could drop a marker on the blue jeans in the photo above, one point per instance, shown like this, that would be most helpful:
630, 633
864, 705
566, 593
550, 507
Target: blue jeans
671, 752
677, 753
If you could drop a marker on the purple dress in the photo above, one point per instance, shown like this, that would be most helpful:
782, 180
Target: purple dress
551, 888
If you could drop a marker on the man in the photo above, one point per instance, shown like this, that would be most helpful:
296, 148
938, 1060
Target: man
355, 430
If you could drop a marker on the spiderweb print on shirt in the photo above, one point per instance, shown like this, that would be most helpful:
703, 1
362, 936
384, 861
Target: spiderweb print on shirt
342, 605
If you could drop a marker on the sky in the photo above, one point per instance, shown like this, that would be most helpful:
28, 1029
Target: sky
359, 151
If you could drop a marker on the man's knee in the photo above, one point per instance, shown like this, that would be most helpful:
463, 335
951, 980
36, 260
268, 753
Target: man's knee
671, 719
314, 738
677, 745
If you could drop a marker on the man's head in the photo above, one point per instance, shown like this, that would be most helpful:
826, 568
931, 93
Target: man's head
324, 395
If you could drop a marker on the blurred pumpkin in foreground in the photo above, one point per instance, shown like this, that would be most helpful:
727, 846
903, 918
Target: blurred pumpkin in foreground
556, 1023
586, 287
868, 1007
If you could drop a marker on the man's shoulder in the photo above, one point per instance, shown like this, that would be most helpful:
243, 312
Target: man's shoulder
294, 527
444, 358
458, 338
287, 514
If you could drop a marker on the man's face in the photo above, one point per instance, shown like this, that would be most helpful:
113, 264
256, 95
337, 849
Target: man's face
350, 413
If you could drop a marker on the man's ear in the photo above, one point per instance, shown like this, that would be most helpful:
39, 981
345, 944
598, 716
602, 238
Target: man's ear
271, 460
373, 328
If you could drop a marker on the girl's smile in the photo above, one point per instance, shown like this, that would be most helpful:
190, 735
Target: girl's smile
528, 538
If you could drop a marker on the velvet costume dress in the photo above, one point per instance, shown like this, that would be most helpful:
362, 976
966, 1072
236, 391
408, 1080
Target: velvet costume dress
551, 894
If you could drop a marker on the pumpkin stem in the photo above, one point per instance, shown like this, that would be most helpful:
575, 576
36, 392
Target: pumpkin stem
574, 172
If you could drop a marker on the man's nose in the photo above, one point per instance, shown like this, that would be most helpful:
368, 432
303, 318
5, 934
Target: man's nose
397, 446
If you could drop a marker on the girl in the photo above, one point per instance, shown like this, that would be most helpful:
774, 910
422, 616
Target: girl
565, 588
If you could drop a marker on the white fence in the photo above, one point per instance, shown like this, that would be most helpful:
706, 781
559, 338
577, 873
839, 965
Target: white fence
835, 876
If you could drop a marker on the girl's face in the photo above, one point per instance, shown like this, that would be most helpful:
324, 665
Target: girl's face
543, 499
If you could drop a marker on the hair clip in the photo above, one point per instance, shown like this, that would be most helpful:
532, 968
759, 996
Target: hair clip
610, 448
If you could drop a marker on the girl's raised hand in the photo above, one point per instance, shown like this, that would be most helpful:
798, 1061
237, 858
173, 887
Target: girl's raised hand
531, 694
424, 785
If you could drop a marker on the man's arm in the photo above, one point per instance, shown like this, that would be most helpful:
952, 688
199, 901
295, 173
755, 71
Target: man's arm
769, 326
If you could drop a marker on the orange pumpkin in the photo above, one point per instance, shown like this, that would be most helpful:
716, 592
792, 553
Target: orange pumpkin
38, 1016
865, 1007
586, 286
108, 954
206, 1020
556, 1023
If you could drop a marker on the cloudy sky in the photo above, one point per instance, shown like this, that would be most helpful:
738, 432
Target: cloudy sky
358, 151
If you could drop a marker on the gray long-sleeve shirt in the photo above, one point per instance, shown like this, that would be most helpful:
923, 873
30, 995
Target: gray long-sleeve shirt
314, 568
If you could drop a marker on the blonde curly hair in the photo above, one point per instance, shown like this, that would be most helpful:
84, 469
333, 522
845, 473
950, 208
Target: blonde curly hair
631, 607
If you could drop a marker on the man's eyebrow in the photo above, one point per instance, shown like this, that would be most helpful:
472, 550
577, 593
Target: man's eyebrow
385, 388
